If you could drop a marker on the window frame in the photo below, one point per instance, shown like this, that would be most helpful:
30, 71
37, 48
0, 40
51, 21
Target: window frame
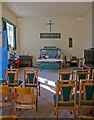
14, 32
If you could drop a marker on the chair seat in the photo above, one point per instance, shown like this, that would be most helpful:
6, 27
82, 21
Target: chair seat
61, 104
82, 103
38, 83
87, 103
19, 82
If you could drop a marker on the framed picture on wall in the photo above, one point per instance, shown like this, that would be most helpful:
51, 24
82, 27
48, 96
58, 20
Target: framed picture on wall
70, 42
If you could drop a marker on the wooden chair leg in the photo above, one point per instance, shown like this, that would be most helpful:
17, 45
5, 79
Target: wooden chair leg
33, 114
54, 111
37, 93
78, 111
90, 111
75, 113
14, 110
57, 114
10, 110
36, 105
71, 111
39, 90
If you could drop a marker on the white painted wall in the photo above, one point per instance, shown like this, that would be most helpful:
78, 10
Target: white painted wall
30, 42
87, 31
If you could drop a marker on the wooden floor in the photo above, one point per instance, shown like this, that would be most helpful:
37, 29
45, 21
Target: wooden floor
45, 102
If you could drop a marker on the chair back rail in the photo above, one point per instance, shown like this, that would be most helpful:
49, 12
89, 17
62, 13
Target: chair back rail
65, 74
11, 75
82, 74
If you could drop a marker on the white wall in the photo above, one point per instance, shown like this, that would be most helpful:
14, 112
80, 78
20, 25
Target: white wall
87, 31
30, 42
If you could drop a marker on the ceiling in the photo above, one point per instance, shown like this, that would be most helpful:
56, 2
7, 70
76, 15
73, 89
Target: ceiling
49, 9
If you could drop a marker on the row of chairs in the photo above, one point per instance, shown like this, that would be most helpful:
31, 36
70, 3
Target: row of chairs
30, 78
66, 96
73, 74
12, 89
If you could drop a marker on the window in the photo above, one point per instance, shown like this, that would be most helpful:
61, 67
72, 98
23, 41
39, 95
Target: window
10, 32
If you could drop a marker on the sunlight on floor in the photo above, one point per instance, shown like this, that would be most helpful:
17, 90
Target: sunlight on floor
44, 80
47, 88
47, 82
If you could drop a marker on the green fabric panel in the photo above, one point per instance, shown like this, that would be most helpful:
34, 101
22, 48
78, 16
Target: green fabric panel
65, 76
59, 97
82, 76
68, 104
89, 92
66, 93
11, 77
87, 103
31, 78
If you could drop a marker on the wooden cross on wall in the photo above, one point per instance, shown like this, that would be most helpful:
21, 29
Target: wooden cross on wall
50, 25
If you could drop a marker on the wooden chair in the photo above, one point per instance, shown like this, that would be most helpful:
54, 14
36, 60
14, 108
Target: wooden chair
81, 117
5, 97
65, 74
86, 95
31, 79
13, 117
63, 98
82, 74
93, 74
11, 77
24, 99
10, 117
